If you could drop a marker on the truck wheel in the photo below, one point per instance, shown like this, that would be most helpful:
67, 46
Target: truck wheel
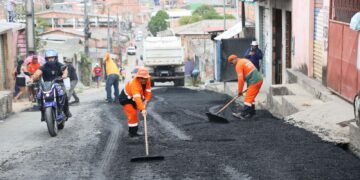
152, 83
180, 82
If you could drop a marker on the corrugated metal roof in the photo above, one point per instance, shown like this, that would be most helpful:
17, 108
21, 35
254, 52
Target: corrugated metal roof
202, 26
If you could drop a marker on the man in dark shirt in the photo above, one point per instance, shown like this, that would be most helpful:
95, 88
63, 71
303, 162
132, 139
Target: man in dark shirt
73, 80
254, 54
51, 70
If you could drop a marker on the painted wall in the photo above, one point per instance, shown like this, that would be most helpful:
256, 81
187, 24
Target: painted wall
302, 32
268, 6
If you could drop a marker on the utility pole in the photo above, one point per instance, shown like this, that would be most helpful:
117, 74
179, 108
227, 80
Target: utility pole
108, 31
86, 29
224, 16
30, 27
237, 10
243, 19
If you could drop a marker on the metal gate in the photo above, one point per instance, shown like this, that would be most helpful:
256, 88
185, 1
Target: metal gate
342, 76
318, 50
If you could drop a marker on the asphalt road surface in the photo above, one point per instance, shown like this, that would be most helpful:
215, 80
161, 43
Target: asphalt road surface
95, 144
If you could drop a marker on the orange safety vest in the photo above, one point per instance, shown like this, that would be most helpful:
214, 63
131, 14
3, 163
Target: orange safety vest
135, 91
246, 71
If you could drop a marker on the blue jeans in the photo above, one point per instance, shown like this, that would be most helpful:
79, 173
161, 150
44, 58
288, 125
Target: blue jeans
112, 80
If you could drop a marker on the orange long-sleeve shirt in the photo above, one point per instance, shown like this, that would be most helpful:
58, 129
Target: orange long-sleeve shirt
135, 90
246, 71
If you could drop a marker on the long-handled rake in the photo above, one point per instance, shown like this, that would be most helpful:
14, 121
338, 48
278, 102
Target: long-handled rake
147, 157
218, 119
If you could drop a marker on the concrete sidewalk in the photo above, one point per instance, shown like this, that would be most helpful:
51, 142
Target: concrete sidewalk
304, 103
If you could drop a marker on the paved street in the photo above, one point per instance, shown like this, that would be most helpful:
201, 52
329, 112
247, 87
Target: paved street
95, 145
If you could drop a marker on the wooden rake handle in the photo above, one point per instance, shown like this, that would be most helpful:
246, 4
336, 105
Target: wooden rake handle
146, 137
231, 101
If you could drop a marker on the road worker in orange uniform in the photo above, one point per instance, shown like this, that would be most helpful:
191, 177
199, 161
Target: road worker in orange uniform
247, 72
135, 96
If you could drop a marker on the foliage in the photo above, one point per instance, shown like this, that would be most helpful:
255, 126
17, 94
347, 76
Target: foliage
201, 13
85, 69
189, 19
41, 23
205, 10
158, 22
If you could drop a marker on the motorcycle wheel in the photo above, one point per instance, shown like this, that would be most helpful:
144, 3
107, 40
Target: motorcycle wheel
357, 109
61, 125
50, 121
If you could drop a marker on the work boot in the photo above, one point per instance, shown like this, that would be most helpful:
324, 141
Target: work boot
42, 115
246, 113
253, 111
133, 132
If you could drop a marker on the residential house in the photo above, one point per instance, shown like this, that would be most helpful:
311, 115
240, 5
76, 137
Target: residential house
12, 45
312, 37
199, 48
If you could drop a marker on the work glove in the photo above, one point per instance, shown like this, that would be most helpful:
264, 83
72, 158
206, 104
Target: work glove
144, 112
146, 102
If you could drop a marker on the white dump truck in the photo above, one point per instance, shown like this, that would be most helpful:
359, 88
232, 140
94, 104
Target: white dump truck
164, 57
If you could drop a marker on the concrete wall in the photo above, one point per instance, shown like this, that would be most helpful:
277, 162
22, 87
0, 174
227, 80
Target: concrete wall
302, 32
269, 5
202, 47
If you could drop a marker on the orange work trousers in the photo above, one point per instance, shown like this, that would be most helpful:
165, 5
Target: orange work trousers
131, 114
252, 92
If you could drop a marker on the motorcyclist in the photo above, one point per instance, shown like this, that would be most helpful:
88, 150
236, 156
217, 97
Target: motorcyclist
50, 71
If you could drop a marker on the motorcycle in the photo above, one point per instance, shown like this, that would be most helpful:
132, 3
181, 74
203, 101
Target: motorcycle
47, 96
356, 105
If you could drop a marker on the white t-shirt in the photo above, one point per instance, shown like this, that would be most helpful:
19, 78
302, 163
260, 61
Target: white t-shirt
9, 5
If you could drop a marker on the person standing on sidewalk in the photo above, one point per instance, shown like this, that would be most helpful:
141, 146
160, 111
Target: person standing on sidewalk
20, 78
135, 96
10, 8
97, 72
73, 80
112, 79
254, 54
246, 72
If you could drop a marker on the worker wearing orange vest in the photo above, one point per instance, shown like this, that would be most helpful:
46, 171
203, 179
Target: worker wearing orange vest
246, 71
135, 96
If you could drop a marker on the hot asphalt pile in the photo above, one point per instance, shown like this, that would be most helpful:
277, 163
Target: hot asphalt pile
261, 148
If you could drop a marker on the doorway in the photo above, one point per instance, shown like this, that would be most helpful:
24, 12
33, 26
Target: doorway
288, 40
277, 46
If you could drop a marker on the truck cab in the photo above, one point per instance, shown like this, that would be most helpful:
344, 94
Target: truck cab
164, 57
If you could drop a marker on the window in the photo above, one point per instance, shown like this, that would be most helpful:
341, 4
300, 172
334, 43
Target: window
344, 10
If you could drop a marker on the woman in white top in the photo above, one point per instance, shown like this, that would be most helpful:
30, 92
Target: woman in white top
20, 80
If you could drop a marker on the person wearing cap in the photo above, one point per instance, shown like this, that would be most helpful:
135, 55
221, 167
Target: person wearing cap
97, 71
112, 78
246, 72
10, 8
73, 80
254, 54
135, 96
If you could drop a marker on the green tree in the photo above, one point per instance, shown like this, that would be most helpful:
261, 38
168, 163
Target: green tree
85, 69
205, 10
189, 19
41, 24
158, 22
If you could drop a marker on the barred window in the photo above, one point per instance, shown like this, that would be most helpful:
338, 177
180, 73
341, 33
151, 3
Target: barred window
344, 10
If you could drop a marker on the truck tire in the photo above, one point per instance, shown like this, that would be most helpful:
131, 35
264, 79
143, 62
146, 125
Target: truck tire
179, 82
152, 83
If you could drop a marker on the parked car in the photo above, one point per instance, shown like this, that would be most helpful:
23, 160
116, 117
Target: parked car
131, 50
